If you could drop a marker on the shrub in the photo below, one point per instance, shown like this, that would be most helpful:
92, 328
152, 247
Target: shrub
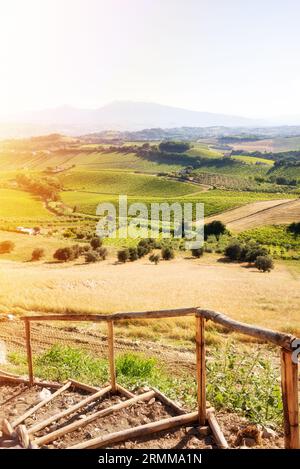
6, 247
264, 263
294, 228
233, 251
142, 251
253, 253
135, 366
197, 252
37, 254
154, 258
133, 254
64, 254
102, 252
96, 243
91, 256
167, 253
123, 255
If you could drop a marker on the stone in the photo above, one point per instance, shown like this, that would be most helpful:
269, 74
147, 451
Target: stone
249, 442
268, 433
3, 360
151, 401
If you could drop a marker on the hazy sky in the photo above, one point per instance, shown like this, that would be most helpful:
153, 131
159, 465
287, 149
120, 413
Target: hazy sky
231, 56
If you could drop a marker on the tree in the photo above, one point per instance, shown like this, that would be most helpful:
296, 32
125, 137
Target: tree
294, 228
254, 252
37, 254
102, 252
6, 247
174, 147
197, 252
233, 251
96, 242
264, 263
64, 254
167, 253
123, 255
215, 227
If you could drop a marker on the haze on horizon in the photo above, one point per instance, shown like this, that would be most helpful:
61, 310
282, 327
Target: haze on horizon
233, 57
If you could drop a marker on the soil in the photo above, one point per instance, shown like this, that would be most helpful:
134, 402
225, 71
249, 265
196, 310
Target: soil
17, 399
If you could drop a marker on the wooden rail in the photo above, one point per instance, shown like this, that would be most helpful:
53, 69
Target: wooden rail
289, 369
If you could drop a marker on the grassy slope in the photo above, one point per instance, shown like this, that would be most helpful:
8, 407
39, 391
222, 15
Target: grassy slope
19, 204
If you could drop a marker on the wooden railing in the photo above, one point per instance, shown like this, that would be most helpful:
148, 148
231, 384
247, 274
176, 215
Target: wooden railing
289, 369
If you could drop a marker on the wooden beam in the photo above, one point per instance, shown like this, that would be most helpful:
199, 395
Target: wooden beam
168, 402
83, 386
277, 338
23, 436
124, 391
167, 313
289, 385
90, 418
32, 410
20, 380
29, 352
216, 430
138, 432
201, 370
111, 355
54, 418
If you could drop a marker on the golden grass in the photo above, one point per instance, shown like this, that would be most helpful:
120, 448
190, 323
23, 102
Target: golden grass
271, 300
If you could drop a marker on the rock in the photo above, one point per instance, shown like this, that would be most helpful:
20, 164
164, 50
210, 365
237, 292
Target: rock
82, 417
44, 394
249, 442
269, 433
21, 399
203, 431
151, 401
88, 435
13, 412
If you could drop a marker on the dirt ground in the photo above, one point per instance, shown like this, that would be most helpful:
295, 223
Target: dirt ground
246, 294
271, 212
16, 399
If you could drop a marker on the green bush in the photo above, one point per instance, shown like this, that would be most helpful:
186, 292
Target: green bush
264, 263
123, 255
96, 243
133, 254
102, 252
233, 251
167, 253
91, 256
197, 252
154, 258
64, 254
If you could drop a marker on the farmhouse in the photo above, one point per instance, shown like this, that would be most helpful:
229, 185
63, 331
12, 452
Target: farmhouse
29, 231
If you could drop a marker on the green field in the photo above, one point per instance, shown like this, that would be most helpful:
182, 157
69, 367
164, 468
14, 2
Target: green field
19, 204
111, 182
253, 160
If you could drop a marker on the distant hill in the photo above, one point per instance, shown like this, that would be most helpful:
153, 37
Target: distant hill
119, 115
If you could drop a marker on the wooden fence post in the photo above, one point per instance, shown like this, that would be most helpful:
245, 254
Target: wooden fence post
111, 355
29, 351
289, 385
201, 371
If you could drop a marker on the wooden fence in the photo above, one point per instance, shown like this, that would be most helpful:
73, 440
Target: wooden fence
289, 369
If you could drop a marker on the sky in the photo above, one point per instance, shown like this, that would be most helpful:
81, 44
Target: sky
231, 56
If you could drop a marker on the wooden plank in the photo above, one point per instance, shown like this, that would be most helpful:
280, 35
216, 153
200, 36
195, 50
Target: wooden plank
54, 418
90, 418
111, 355
201, 370
23, 436
20, 380
168, 402
167, 313
216, 430
83, 386
137, 432
124, 391
277, 338
39, 405
29, 352
289, 385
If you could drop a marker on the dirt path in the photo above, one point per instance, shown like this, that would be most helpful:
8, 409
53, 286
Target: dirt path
268, 212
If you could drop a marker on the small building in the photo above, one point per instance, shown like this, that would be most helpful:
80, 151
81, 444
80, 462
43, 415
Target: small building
29, 231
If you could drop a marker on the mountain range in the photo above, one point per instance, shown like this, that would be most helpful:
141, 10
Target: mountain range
118, 115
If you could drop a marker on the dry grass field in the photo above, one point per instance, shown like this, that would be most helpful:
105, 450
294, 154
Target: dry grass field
272, 300
271, 212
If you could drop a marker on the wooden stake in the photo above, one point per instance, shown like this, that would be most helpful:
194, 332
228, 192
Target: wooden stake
289, 385
85, 387
54, 418
23, 436
201, 372
138, 432
40, 404
90, 418
216, 430
29, 352
111, 355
